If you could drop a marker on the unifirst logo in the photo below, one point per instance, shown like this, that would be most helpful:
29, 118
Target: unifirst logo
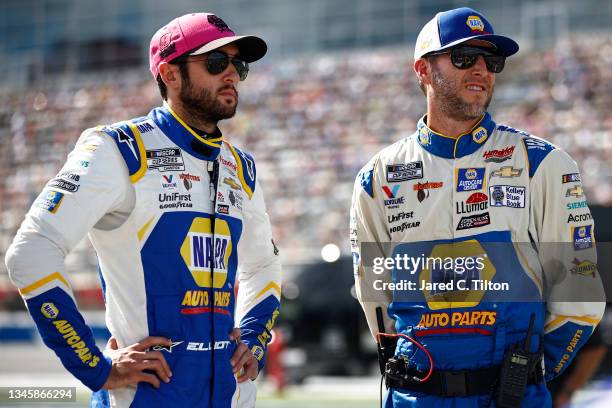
475, 23
203, 252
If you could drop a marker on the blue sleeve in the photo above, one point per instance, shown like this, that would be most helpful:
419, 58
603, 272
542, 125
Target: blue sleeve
63, 329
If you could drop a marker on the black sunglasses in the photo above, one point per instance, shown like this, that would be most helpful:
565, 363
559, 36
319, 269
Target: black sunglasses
217, 61
465, 57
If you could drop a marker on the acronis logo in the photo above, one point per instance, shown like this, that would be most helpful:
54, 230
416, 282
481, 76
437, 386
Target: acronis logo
202, 252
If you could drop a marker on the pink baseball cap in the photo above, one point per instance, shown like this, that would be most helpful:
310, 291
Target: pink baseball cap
202, 32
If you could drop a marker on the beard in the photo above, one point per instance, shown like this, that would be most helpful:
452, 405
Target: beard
203, 106
452, 104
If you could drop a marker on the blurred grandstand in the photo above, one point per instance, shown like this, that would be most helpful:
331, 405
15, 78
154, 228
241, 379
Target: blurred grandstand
310, 116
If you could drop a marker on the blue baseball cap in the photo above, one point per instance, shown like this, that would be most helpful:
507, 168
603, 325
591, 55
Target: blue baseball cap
453, 27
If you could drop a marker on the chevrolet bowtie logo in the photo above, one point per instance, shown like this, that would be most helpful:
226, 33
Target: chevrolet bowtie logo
230, 182
575, 191
506, 172
166, 348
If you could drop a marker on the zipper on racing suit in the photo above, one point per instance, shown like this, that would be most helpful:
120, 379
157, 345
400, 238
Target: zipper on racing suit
213, 172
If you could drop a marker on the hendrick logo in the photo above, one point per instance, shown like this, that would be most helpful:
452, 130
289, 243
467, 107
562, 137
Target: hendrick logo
498, 156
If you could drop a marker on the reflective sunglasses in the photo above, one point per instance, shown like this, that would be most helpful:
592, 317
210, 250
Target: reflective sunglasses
217, 61
465, 57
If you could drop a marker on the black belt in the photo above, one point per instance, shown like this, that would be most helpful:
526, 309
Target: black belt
460, 383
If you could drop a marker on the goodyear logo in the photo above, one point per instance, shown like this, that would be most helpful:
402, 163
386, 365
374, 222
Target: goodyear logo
479, 134
49, 310
202, 253
475, 23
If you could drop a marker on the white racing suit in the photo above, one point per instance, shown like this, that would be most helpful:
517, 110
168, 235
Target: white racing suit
176, 220
497, 193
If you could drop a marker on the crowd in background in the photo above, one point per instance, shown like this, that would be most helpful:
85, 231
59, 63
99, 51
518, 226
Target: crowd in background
312, 122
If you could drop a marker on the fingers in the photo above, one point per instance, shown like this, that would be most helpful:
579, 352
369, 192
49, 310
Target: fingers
154, 360
149, 378
240, 357
150, 341
111, 344
234, 334
251, 369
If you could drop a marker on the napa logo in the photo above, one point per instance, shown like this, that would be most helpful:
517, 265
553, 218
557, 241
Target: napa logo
475, 23
424, 136
479, 134
201, 253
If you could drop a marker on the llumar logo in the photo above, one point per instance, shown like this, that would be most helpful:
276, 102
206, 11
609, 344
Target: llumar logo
202, 251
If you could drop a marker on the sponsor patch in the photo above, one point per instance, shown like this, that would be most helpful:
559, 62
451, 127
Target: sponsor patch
575, 191
400, 216
258, 352
579, 217
470, 179
474, 221
174, 200
165, 159
223, 209
507, 196
479, 134
50, 200
574, 206
475, 23
584, 268
424, 136
63, 185
168, 182
506, 172
422, 189
570, 178
393, 201
582, 237
498, 156
404, 172
167, 348
535, 144
475, 202
235, 199
232, 183
144, 127
49, 310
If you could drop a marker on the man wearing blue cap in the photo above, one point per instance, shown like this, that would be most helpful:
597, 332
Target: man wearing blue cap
503, 314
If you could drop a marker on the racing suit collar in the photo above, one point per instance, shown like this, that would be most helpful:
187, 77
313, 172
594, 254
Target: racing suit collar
188, 139
451, 148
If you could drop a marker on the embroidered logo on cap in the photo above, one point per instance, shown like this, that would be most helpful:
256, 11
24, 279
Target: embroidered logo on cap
218, 23
475, 23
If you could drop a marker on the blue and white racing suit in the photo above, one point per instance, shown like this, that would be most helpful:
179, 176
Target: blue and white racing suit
495, 192
176, 220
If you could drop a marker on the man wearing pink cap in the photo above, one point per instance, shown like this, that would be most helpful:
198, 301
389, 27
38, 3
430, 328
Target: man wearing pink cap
176, 216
